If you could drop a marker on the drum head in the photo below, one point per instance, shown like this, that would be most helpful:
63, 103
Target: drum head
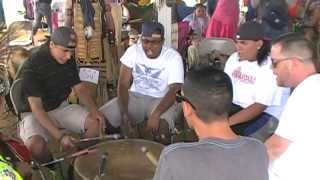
125, 160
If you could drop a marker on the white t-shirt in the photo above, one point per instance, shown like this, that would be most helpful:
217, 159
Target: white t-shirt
253, 83
152, 77
299, 123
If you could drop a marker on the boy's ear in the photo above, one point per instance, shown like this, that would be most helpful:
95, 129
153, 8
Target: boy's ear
187, 109
51, 44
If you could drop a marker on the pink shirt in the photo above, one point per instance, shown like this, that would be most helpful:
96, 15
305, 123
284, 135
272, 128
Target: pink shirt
227, 11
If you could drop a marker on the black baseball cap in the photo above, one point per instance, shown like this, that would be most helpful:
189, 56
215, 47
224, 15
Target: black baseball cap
64, 36
152, 29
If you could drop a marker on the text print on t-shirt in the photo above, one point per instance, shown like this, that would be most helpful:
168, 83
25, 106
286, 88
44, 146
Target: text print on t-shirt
242, 77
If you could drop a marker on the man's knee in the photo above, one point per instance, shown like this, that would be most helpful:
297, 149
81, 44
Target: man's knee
36, 144
38, 148
92, 126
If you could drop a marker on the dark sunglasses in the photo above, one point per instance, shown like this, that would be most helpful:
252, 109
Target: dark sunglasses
275, 62
180, 97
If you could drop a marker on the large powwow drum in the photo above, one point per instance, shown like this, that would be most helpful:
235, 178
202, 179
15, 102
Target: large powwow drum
127, 159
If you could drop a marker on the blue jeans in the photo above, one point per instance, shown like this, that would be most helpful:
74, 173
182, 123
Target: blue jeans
261, 127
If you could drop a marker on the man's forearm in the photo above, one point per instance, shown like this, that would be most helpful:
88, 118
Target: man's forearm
44, 120
42, 117
123, 99
247, 114
168, 100
125, 79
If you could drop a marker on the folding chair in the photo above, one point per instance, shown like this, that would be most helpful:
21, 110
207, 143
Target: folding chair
16, 98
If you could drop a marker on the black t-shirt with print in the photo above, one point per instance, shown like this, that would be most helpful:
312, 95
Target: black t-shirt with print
44, 77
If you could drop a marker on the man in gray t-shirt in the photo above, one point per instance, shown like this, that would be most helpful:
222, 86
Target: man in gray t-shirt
219, 154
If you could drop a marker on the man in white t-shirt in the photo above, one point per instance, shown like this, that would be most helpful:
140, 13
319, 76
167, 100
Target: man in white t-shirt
295, 146
150, 75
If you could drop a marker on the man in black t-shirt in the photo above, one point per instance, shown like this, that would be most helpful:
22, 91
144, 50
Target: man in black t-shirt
48, 78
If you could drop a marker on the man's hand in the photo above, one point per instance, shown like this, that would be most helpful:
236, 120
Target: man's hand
153, 122
67, 141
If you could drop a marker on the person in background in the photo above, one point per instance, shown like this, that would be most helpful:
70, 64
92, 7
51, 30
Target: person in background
225, 19
312, 26
211, 6
182, 10
2, 17
294, 148
274, 16
198, 20
206, 99
257, 100
133, 37
193, 59
43, 9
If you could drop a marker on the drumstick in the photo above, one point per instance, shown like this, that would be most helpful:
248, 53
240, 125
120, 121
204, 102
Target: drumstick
150, 156
76, 154
135, 20
103, 165
101, 129
111, 136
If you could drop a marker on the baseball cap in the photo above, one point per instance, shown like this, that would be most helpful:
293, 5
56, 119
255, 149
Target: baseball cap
152, 29
250, 31
64, 36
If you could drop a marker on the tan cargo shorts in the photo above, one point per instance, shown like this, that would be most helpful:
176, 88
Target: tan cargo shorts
68, 118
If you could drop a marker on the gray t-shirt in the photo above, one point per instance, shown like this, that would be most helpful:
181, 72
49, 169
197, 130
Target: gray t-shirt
214, 159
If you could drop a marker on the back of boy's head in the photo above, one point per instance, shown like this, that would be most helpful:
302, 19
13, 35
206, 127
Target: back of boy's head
210, 90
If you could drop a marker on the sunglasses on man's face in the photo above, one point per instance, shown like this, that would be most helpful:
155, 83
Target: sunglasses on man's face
180, 97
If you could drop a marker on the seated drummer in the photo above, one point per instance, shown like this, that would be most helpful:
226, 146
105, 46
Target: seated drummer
220, 153
47, 80
150, 75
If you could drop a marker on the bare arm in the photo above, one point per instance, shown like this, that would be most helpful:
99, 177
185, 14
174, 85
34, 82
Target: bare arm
247, 114
125, 79
276, 146
42, 117
166, 102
